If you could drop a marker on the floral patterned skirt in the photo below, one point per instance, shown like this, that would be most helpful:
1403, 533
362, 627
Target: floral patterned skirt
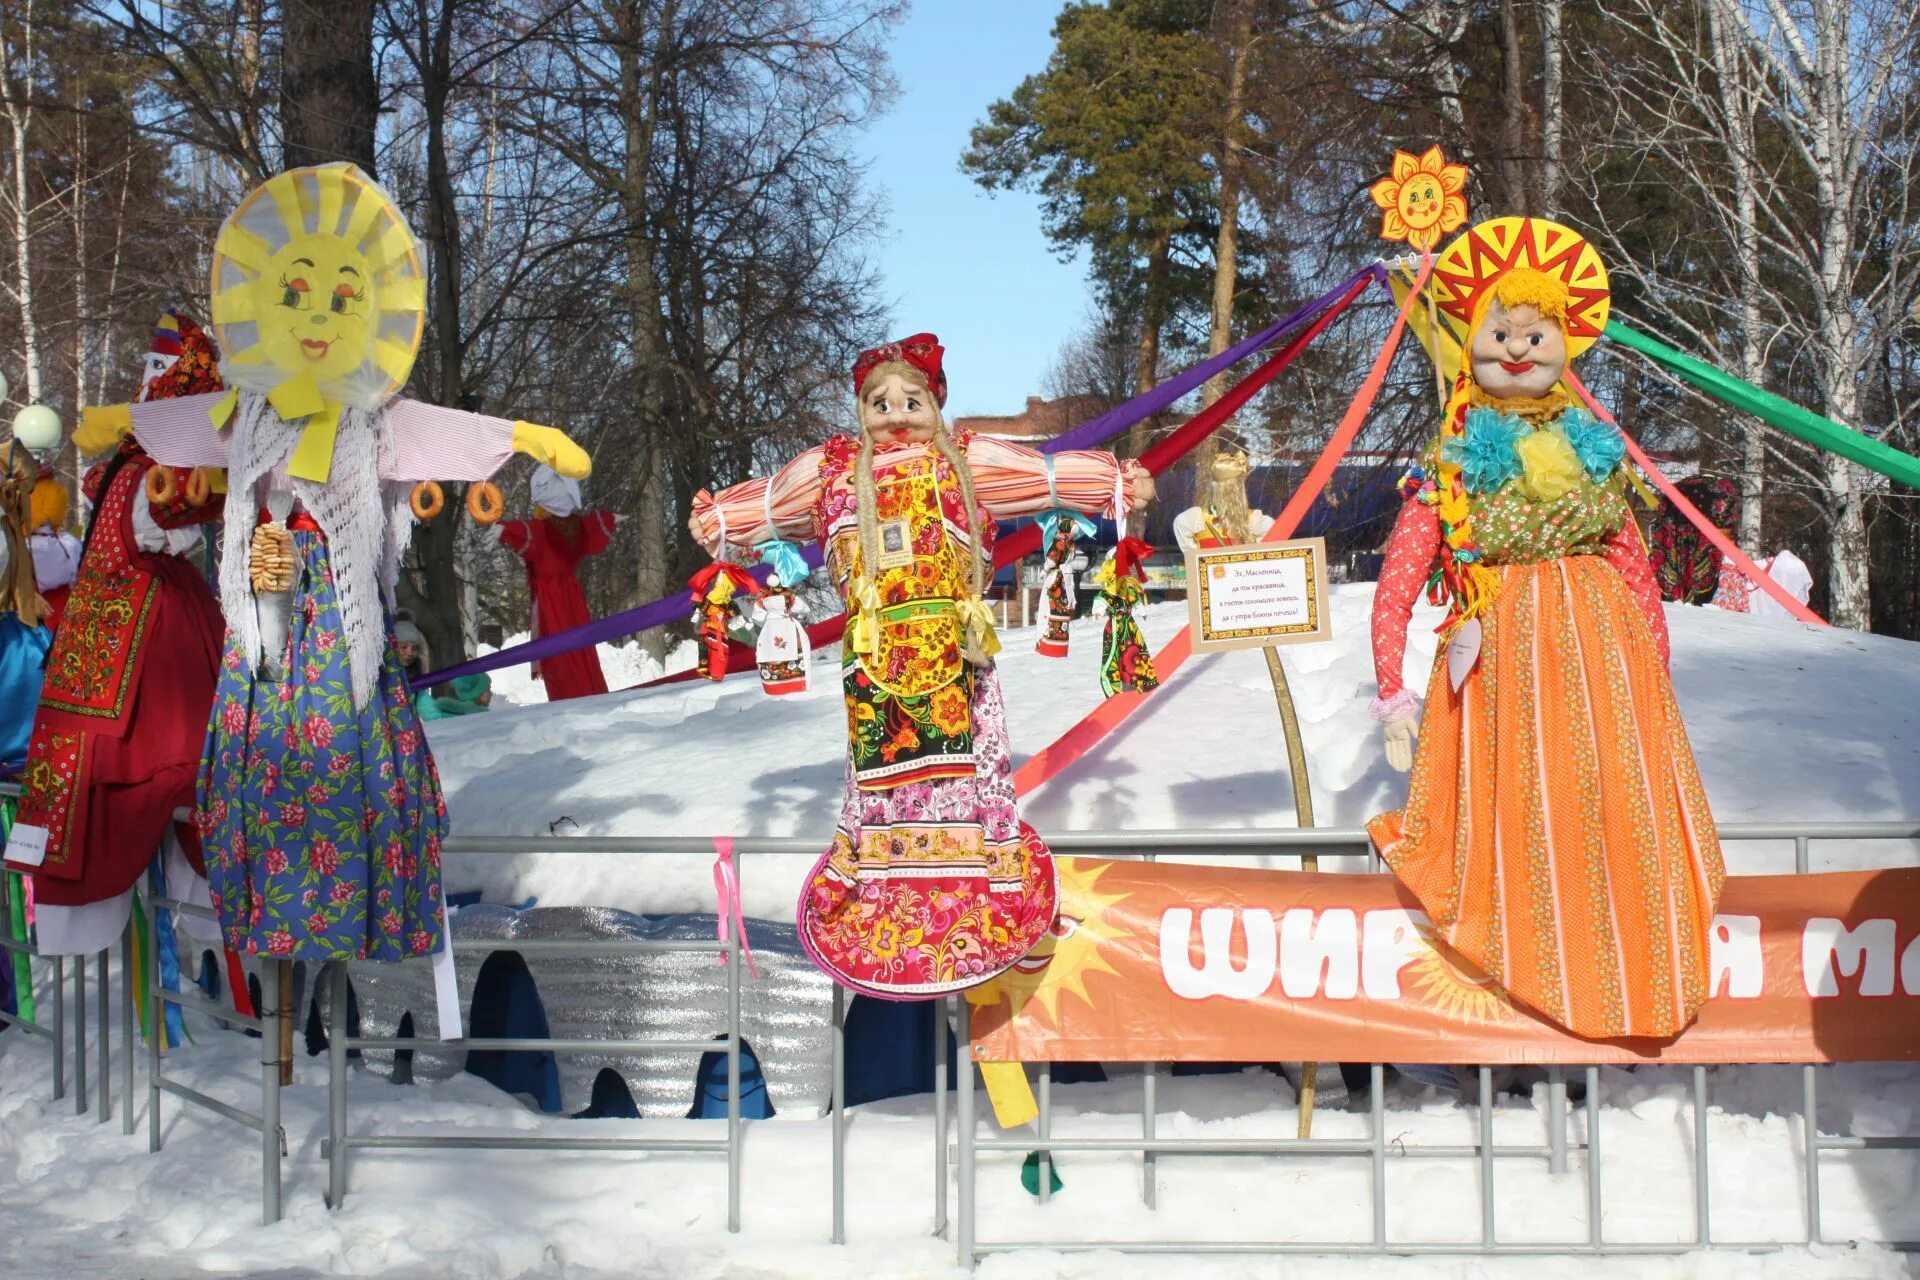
932, 885
322, 823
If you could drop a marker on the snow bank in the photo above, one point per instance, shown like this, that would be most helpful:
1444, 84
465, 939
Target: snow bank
1789, 722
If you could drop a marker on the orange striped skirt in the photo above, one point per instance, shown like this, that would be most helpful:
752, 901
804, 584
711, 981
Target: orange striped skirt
1556, 831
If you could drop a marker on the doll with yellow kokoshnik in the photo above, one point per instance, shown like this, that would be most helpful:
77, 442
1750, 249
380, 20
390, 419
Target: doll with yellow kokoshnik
318, 801
932, 883
1555, 831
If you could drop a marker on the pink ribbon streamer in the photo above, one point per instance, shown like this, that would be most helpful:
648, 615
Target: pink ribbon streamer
726, 893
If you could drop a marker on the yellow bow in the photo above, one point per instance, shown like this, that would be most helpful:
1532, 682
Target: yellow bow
976, 618
866, 618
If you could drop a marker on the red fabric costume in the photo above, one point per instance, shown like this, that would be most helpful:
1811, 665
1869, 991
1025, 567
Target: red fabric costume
553, 547
129, 680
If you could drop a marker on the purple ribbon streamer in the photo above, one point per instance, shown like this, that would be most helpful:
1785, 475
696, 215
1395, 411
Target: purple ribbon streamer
1087, 434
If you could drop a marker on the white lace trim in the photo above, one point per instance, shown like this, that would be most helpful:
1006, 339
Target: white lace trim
365, 521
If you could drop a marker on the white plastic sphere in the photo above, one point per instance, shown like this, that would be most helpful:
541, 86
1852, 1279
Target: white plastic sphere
37, 427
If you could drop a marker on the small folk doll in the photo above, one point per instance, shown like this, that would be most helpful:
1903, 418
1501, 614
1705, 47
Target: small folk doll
55, 551
1126, 664
714, 588
782, 650
1058, 530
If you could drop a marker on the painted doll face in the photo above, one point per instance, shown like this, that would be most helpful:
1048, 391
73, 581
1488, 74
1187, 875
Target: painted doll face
895, 410
1518, 354
315, 303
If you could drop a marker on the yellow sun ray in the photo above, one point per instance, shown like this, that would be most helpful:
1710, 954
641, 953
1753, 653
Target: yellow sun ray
332, 184
400, 294
235, 304
366, 207
285, 191
244, 249
395, 359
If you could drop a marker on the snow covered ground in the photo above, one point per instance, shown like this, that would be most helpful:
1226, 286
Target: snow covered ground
1789, 722
78, 1200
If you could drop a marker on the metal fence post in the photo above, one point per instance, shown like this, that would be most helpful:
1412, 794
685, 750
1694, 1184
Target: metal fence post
1594, 1234
1377, 1163
156, 1021
127, 996
59, 1027
336, 1083
1488, 1235
963, 1121
1557, 1119
941, 1012
270, 1096
1702, 1193
837, 1046
732, 956
1810, 1103
1044, 1188
1149, 1114
79, 1035
105, 1073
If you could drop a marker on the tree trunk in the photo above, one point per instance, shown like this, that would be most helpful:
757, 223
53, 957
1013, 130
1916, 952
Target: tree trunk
329, 97
1225, 270
1736, 105
1513, 90
19, 109
640, 97
433, 590
1552, 108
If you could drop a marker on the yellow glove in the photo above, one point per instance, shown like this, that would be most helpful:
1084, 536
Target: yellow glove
101, 427
549, 445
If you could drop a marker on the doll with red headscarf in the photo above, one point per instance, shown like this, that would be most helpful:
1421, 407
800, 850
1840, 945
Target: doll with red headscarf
932, 883
130, 678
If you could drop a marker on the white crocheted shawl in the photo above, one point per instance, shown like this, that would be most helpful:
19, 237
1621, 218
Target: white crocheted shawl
366, 521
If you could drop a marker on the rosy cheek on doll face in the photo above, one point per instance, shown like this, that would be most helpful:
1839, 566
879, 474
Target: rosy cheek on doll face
1518, 354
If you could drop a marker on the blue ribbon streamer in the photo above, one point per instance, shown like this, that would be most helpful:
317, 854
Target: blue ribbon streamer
1049, 522
167, 947
785, 559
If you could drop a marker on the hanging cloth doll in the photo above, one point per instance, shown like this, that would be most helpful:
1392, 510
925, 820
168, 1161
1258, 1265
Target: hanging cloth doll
782, 651
56, 552
1686, 564
1555, 830
714, 589
553, 544
318, 799
130, 678
1059, 528
1126, 664
932, 883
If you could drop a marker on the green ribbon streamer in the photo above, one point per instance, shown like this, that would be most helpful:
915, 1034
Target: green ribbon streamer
1803, 424
16, 894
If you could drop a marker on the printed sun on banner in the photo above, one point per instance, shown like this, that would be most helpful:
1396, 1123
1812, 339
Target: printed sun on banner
1424, 198
1071, 950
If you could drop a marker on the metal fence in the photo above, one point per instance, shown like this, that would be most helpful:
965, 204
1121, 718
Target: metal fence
1375, 1147
958, 1145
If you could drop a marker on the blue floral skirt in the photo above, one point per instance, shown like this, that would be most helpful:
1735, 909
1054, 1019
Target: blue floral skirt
322, 823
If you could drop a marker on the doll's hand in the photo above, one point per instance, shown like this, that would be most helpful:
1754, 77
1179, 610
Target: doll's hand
549, 445
1401, 735
709, 543
1141, 481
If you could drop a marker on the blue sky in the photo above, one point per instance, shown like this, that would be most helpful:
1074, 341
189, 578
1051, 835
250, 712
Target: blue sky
972, 267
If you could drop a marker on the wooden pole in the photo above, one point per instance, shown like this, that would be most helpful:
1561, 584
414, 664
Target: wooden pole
286, 1023
1303, 814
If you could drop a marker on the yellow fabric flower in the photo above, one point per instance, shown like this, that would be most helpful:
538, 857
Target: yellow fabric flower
1551, 468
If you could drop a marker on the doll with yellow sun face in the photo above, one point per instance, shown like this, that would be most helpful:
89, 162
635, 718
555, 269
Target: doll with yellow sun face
1555, 829
317, 800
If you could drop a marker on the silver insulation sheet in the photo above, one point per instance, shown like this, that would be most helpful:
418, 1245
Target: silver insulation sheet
784, 1015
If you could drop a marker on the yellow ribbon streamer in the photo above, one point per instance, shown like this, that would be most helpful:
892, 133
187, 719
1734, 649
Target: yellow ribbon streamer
866, 617
313, 456
1007, 1087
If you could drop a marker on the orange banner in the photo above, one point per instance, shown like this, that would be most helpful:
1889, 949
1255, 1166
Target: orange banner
1161, 962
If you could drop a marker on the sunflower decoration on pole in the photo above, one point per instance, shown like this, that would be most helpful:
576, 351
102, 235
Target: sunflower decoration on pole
1424, 198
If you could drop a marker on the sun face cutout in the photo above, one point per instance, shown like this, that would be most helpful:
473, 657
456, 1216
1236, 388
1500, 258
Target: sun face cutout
318, 291
1423, 198
1062, 961
319, 298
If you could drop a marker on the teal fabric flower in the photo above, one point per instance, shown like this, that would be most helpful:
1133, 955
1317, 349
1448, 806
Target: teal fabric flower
1598, 444
1486, 453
